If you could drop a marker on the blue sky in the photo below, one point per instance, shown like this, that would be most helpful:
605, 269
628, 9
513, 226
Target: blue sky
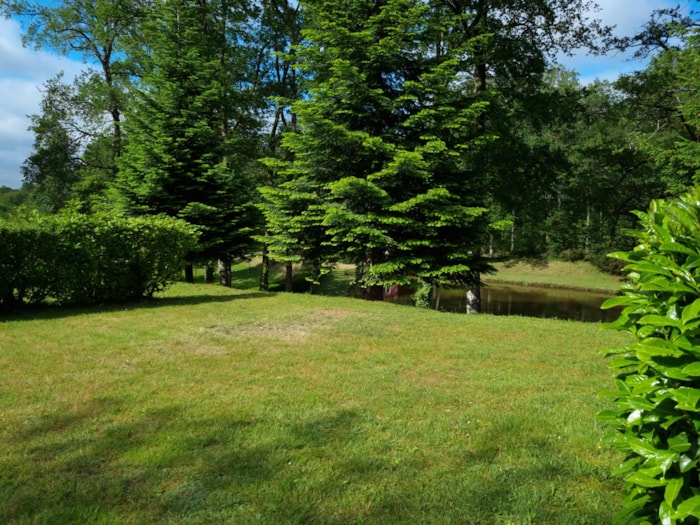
23, 71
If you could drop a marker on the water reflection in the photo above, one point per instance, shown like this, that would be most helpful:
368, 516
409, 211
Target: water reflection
531, 301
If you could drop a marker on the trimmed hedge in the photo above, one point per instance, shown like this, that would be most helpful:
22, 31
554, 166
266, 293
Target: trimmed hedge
81, 259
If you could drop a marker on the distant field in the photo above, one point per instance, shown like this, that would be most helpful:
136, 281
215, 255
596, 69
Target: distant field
213, 406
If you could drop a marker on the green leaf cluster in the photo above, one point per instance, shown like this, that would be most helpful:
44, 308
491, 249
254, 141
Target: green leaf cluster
656, 419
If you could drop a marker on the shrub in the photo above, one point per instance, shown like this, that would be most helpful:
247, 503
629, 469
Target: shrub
656, 419
573, 254
80, 259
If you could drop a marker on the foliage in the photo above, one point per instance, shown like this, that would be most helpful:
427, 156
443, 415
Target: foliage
89, 259
666, 98
655, 420
11, 199
89, 112
190, 124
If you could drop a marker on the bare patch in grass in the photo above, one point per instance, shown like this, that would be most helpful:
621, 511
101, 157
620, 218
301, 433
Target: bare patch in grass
294, 329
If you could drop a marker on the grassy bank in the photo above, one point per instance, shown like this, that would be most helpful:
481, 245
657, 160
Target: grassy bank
580, 274
218, 406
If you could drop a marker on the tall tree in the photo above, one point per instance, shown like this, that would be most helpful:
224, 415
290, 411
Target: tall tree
95, 30
383, 145
192, 124
666, 95
279, 34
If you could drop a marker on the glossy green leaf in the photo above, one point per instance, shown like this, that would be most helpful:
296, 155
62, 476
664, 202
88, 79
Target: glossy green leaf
686, 463
673, 488
693, 369
687, 398
666, 514
679, 442
689, 507
676, 247
691, 312
644, 481
652, 347
620, 300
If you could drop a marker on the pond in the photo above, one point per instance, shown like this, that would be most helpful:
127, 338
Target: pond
530, 301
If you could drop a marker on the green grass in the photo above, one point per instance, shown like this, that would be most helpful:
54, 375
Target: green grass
213, 406
563, 274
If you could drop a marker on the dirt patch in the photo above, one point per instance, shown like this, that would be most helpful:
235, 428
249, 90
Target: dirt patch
293, 329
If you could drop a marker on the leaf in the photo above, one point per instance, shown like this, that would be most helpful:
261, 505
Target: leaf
648, 450
679, 442
644, 481
620, 300
673, 487
659, 320
690, 507
687, 398
676, 247
652, 347
693, 369
666, 514
691, 312
686, 463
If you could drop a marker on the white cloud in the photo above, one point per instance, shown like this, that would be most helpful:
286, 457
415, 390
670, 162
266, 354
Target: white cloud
22, 73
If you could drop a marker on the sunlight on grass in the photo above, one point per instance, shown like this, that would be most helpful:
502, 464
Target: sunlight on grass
212, 405
578, 274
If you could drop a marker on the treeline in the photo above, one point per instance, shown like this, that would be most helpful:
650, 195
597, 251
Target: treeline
414, 139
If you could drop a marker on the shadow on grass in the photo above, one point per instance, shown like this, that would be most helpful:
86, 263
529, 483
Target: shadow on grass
32, 312
98, 463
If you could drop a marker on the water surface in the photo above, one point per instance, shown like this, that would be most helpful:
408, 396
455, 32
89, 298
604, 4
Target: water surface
530, 301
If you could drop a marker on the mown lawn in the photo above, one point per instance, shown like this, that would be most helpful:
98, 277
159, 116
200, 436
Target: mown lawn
214, 406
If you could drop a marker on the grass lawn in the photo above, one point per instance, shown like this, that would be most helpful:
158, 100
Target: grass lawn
580, 274
215, 406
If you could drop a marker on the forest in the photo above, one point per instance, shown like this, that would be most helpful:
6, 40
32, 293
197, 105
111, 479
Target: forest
413, 139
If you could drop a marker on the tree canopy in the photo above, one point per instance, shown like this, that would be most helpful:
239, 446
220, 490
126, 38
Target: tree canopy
413, 139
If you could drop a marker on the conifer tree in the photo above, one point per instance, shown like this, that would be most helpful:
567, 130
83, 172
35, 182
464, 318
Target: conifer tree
190, 126
386, 138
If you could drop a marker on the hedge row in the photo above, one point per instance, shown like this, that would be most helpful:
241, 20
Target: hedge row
79, 259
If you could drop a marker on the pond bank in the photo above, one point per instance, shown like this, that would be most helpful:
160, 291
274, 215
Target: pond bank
579, 275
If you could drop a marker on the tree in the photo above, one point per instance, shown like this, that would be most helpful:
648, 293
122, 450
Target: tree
192, 124
279, 34
667, 97
383, 142
52, 169
96, 30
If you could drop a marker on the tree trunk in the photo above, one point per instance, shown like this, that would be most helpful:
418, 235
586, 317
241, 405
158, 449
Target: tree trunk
474, 289
373, 292
288, 278
474, 294
225, 271
359, 277
265, 270
315, 273
189, 273
587, 241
